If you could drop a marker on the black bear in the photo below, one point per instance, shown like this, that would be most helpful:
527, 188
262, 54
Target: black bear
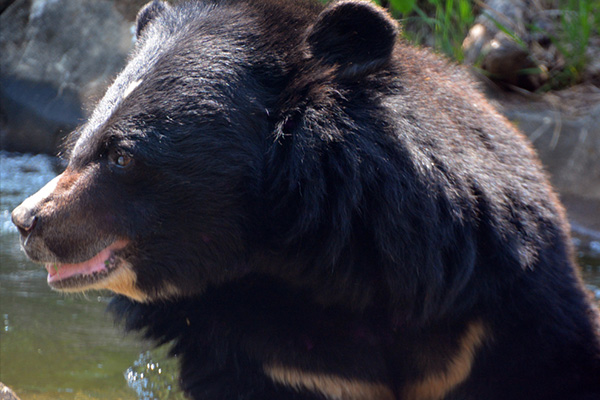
309, 208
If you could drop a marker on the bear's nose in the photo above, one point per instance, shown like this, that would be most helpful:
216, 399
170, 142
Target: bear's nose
24, 219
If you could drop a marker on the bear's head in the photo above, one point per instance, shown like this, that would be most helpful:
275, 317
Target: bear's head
187, 173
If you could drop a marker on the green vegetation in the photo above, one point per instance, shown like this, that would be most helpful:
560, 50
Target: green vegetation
579, 19
443, 24
447, 21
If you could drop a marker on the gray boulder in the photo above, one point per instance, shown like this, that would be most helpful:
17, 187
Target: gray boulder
57, 58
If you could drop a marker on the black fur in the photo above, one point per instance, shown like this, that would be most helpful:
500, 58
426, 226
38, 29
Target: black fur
149, 12
309, 192
223, 338
353, 36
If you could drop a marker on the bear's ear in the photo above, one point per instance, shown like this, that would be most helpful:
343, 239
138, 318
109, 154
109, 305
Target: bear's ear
148, 13
355, 35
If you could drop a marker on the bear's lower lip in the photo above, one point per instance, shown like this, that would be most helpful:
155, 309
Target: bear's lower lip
64, 276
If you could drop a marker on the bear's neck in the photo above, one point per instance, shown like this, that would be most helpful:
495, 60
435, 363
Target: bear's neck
247, 305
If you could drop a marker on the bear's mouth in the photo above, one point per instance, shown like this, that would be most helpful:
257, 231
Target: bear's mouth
79, 275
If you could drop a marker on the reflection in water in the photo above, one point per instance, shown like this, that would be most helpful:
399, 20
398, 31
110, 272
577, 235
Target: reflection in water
54, 346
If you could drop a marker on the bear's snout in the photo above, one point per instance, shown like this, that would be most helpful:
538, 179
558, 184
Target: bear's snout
55, 226
25, 220
27, 217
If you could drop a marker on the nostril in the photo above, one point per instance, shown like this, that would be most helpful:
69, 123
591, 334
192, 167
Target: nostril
26, 230
24, 221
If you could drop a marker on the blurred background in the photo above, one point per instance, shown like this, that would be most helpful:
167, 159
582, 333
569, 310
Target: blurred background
537, 60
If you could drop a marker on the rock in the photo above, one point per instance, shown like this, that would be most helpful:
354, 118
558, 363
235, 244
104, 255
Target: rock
57, 58
503, 43
6, 393
130, 8
592, 70
492, 48
504, 58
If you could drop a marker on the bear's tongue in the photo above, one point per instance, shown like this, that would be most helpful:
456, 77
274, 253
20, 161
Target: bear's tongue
99, 263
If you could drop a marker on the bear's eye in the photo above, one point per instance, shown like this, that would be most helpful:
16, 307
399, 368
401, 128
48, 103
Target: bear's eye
119, 159
122, 160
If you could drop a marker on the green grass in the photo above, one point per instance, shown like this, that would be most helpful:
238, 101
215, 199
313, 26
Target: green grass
578, 21
448, 22
444, 24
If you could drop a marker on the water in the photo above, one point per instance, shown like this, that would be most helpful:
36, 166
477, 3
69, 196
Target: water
54, 346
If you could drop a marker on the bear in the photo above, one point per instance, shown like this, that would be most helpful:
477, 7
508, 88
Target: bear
307, 207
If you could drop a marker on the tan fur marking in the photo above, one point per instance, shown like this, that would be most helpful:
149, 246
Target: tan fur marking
67, 185
331, 386
168, 291
438, 384
67, 180
121, 281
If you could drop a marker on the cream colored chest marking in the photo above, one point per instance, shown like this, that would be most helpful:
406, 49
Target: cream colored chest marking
333, 387
436, 385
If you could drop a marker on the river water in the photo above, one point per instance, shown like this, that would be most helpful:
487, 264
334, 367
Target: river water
54, 346
64, 347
